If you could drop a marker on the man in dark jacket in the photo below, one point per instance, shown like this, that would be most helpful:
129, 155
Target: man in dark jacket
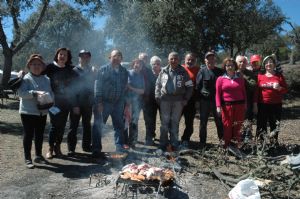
149, 103
85, 86
206, 86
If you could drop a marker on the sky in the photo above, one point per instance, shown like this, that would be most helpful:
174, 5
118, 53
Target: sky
290, 9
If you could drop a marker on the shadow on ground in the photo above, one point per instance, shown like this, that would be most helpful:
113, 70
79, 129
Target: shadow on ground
291, 113
71, 169
11, 128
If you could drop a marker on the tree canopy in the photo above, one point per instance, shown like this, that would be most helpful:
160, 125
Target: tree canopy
63, 26
13, 9
191, 25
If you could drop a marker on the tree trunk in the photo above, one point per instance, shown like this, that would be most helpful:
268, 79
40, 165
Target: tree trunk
231, 52
292, 57
8, 55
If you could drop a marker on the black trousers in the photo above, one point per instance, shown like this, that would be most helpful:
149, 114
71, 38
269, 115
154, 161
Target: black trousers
86, 115
268, 113
58, 124
207, 107
34, 127
189, 112
150, 108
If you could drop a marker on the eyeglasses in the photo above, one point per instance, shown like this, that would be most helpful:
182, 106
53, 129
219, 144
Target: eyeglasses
269, 63
229, 65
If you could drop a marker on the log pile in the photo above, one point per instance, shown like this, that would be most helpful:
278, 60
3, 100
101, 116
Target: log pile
275, 180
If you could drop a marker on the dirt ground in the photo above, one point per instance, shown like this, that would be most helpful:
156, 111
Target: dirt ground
69, 177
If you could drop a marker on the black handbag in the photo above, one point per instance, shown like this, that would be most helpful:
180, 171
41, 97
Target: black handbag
15, 83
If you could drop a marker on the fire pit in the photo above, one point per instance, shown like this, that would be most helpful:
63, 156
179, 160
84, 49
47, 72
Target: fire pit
144, 179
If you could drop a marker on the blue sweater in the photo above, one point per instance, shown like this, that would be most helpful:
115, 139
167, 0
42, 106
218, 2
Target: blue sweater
30, 84
136, 80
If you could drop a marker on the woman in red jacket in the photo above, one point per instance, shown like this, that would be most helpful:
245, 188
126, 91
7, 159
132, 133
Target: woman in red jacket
231, 101
268, 100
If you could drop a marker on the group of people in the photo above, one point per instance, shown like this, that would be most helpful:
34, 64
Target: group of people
232, 94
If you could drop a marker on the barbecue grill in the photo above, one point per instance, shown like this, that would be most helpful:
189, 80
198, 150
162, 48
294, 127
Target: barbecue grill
131, 188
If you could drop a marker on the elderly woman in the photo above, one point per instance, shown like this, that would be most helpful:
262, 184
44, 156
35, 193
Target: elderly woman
231, 101
268, 99
34, 86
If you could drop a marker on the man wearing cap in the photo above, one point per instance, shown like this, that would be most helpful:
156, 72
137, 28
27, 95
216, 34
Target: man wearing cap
255, 61
85, 86
206, 86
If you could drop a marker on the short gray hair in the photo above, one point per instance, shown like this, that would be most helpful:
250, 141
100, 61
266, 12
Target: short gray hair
154, 59
175, 54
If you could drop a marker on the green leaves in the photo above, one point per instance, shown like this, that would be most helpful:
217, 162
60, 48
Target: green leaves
191, 25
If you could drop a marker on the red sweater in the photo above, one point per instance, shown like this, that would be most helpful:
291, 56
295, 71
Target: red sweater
265, 93
230, 90
192, 72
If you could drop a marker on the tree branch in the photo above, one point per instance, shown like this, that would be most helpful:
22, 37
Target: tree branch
14, 11
297, 36
3, 41
34, 29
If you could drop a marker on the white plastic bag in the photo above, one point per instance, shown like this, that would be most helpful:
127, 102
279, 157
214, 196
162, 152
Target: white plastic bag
291, 160
245, 189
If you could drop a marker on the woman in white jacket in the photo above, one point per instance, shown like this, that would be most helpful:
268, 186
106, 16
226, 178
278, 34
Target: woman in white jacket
34, 87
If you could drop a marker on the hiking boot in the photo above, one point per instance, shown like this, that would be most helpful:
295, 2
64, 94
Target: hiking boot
49, 154
40, 160
71, 153
29, 164
87, 148
202, 146
184, 145
57, 150
149, 143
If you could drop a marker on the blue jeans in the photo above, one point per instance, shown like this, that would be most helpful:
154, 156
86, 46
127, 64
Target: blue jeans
133, 126
115, 110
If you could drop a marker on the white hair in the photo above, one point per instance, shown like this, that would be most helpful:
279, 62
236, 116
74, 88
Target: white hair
154, 59
239, 57
142, 54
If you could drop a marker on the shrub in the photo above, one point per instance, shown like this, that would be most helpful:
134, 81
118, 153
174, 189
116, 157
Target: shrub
292, 76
